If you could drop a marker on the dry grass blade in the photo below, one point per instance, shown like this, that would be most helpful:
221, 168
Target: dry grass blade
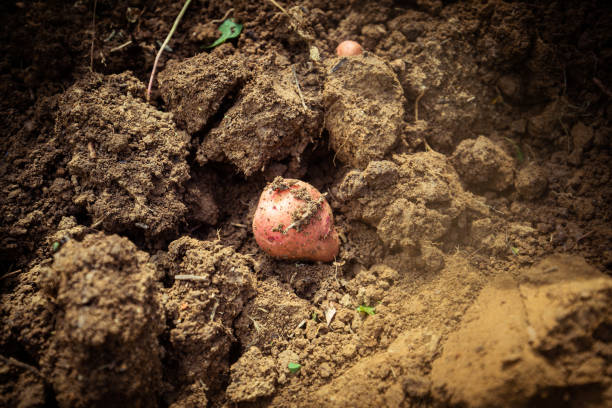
161, 49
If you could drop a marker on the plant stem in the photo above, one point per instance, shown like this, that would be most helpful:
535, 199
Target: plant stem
161, 49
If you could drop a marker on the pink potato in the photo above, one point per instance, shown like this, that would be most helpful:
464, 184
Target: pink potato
293, 221
349, 48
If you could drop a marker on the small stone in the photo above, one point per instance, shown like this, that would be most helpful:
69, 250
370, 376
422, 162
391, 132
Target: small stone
510, 86
544, 228
325, 371
519, 126
531, 182
481, 229
432, 257
582, 136
348, 350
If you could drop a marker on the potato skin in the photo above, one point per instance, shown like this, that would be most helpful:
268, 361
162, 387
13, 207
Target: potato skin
348, 49
314, 240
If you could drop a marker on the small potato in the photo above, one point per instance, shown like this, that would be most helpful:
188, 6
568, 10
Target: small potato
293, 221
349, 48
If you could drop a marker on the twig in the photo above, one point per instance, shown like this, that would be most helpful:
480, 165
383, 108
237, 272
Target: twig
235, 224
93, 36
416, 105
583, 236
214, 310
220, 20
10, 274
601, 86
191, 278
298, 88
119, 47
161, 49
279, 6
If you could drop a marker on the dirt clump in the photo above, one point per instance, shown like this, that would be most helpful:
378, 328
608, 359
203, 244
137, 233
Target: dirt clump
104, 348
195, 89
212, 284
201, 198
364, 108
253, 376
128, 159
287, 314
483, 165
266, 122
550, 337
27, 313
531, 181
21, 385
415, 203
36, 189
404, 361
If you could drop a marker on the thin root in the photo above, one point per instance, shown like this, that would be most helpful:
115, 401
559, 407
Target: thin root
416, 105
298, 88
222, 19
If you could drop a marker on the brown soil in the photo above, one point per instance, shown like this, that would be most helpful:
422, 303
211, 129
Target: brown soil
466, 155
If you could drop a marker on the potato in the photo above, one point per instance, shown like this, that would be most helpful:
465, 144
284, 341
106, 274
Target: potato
293, 221
348, 49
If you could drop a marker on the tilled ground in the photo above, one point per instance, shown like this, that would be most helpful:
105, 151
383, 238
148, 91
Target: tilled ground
466, 156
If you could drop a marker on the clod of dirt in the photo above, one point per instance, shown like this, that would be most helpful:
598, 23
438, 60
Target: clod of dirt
505, 40
545, 124
201, 198
268, 122
195, 89
104, 350
364, 108
403, 361
531, 181
20, 385
127, 160
582, 138
547, 332
483, 165
212, 283
253, 376
273, 303
411, 202
27, 313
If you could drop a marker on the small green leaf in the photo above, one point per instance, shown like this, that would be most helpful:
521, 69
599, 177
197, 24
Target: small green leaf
366, 309
519, 153
315, 316
55, 246
514, 250
294, 367
228, 29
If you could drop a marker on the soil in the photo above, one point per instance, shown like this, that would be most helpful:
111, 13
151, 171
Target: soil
466, 156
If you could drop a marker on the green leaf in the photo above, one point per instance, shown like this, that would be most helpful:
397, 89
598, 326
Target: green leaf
519, 153
228, 29
514, 250
55, 246
366, 309
315, 316
294, 367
